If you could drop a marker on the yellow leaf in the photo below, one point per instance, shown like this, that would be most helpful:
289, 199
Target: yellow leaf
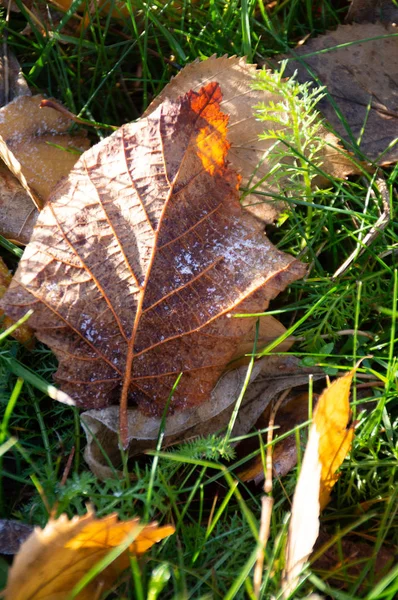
329, 441
53, 560
331, 419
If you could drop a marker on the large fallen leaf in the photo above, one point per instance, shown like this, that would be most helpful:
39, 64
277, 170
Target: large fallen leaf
329, 441
140, 259
36, 146
358, 72
248, 153
270, 376
52, 560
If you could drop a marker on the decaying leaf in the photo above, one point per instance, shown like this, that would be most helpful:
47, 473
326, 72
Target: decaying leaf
362, 11
12, 81
140, 260
270, 376
12, 535
52, 560
329, 441
344, 559
24, 333
36, 146
359, 72
293, 411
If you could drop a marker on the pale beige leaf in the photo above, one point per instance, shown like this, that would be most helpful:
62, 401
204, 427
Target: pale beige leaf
29, 137
248, 154
304, 520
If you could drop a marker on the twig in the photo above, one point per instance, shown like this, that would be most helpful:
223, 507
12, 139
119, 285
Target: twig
64, 111
325, 336
379, 226
6, 65
266, 501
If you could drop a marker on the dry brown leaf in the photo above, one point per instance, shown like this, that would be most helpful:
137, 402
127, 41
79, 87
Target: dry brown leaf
361, 11
270, 376
117, 8
329, 441
24, 333
359, 78
28, 139
52, 560
141, 258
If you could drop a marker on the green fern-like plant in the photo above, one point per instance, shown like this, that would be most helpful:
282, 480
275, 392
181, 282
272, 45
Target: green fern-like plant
295, 155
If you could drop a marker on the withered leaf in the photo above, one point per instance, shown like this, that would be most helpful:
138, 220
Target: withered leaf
359, 71
331, 420
52, 560
139, 261
343, 561
36, 146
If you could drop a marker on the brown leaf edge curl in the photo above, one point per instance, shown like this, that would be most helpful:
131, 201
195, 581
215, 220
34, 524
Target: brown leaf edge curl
270, 376
141, 257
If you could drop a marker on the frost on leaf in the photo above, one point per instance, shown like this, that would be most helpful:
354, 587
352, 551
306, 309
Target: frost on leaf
140, 258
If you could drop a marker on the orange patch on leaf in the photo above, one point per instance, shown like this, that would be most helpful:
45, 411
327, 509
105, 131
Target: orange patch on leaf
211, 141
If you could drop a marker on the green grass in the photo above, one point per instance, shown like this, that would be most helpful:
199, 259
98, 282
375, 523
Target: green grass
109, 75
